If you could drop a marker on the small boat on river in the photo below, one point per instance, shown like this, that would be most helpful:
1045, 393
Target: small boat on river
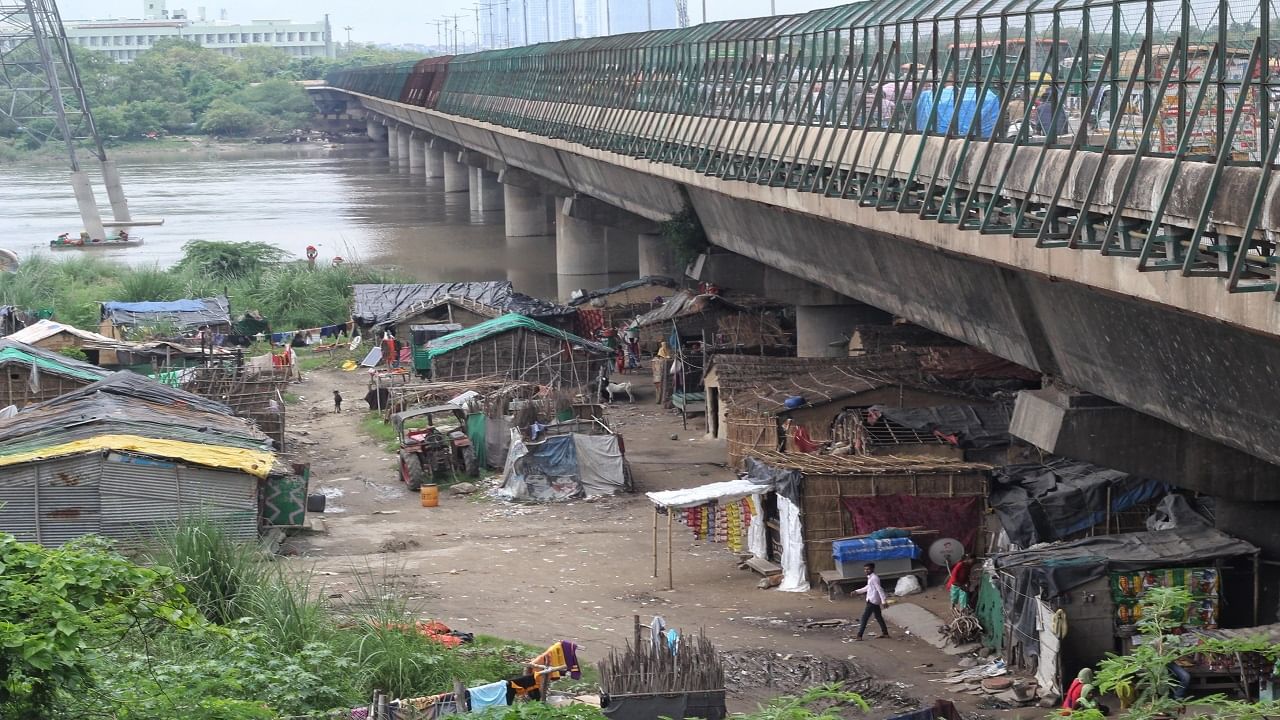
120, 239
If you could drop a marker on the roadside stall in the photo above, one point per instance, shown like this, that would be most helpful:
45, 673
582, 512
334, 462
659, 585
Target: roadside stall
1066, 605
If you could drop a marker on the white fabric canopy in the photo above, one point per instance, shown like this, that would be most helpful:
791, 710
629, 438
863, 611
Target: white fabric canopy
727, 491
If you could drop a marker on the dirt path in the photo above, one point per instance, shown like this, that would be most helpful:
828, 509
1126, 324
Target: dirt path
578, 570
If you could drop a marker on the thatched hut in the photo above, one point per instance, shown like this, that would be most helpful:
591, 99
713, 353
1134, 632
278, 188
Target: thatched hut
519, 348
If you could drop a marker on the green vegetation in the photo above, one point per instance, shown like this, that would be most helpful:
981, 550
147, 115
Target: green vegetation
177, 87
382, 432
227, 634
684, 233
1143, 675
289, 295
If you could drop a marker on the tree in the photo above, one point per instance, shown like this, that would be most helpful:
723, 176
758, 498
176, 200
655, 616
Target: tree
56, 605
227, 117
262, 62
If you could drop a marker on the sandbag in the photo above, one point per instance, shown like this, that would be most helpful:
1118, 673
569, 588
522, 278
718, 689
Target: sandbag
907, 585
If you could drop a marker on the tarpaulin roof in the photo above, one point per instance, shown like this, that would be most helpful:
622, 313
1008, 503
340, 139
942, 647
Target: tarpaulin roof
1042, 502
48, 362
1063, 566
685, 303
497, 325
45, 329
373, 304
131, 413
968, 426
646, 281
183, 313
562, 467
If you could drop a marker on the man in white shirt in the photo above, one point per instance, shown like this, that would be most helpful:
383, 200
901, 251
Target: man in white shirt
875, 598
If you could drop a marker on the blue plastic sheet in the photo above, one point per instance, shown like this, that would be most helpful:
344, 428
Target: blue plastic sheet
946, 100
867, 549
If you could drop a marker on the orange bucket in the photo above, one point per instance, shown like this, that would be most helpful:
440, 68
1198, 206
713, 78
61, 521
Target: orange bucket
430, 495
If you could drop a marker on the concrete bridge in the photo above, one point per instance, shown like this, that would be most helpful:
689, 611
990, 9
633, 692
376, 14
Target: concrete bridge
1085, 192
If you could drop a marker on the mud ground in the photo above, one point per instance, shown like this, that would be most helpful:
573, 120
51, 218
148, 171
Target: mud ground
582, 570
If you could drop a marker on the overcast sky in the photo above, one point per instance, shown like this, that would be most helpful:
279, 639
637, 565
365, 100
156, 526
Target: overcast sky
389, 21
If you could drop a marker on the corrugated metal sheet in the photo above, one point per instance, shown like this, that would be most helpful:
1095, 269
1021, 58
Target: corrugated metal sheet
230, 497
18, 502
68, 498
138, 494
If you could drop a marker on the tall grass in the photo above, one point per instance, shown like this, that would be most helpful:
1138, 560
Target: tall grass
221, 574
290, 295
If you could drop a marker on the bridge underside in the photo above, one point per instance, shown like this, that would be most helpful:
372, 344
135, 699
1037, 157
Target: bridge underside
1071, 316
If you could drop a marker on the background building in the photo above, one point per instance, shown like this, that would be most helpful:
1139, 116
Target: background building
124, 40
627, 16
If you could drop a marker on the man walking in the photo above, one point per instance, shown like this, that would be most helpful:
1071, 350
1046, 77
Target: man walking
875, 598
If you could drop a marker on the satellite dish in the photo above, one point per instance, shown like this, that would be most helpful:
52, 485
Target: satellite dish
946, 552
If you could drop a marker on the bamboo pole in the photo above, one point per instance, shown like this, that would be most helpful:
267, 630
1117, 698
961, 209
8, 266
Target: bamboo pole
671, 584
655, 541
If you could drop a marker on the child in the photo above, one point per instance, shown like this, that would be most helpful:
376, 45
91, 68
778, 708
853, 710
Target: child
337, 401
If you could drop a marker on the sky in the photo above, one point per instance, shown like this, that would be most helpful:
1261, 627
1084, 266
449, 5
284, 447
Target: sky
393, 22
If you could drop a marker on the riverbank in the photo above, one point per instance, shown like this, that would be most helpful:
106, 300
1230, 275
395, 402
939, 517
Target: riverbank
173, 147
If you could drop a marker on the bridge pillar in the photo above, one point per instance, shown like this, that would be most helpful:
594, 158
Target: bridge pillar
823, 330
531, 265
433, 155
657, 257
393, 141
417, 152
1096, 430
486, 193
374, 129
402, 146
525, 212
582, 253
455, 173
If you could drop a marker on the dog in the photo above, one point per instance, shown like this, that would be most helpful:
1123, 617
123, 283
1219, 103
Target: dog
617, 389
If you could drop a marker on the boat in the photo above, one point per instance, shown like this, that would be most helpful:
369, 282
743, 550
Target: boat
66, 242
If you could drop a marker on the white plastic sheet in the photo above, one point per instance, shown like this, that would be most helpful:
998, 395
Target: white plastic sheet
1050, 646
757, 545
599, 464
795, 573
723, 492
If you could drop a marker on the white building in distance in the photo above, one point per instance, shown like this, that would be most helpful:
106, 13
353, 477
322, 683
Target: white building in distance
124, 40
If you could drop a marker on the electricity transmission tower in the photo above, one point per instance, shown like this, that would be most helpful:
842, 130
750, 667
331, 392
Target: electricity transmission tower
42, 99
682, 13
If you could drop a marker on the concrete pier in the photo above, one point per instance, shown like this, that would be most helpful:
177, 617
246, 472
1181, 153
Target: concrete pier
456, 173
115, 192
823, 330
525, 211
374, 129
656, 257
88, 205
433, 155
402, 147
393, 142
486, 192
417, 152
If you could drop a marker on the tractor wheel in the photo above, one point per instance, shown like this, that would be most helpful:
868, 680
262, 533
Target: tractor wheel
471, 465
411, 471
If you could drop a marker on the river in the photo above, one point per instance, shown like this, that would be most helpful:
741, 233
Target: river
350, 202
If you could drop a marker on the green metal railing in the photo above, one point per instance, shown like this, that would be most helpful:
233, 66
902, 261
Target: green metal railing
938, 108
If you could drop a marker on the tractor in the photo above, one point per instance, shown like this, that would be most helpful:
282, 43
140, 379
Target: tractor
430, 453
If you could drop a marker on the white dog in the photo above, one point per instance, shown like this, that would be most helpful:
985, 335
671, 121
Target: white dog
617, 389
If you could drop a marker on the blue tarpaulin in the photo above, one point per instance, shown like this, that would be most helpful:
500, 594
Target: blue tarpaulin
847, 551
148, 307
946, 99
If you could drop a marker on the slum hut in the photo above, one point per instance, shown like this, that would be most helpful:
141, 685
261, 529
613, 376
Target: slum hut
120, 319
1064, 606
618, 305
126, 455
726, 322
842, 497
565, 461
798, 405
100, 350
398, 307
519, 348
1063, 499
33, 375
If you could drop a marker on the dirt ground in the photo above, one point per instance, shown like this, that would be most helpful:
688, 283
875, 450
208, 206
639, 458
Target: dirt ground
582, 570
